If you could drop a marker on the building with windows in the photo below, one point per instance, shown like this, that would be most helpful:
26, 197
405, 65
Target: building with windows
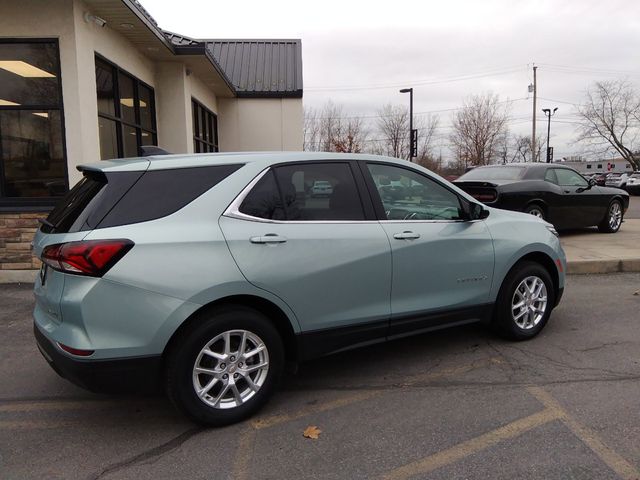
587, 167
84, 80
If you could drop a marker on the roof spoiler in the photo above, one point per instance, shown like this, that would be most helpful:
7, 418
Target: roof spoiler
149, 150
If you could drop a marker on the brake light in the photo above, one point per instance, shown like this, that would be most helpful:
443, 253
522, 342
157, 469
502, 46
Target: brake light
91, 257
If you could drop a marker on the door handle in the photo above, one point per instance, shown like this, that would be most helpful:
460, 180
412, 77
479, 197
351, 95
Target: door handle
268, 238
406, 235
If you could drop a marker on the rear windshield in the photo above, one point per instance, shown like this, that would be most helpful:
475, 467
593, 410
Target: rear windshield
102, 200
493, 173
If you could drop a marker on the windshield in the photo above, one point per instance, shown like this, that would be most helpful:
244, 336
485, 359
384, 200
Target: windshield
494, 173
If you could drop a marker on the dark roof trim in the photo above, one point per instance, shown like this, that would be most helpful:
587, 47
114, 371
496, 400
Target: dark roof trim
144, 16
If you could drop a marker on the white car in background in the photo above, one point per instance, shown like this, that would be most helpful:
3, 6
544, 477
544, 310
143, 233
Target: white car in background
618, 180
633, 183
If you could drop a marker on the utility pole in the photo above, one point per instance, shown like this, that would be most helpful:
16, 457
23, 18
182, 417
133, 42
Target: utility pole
533, 129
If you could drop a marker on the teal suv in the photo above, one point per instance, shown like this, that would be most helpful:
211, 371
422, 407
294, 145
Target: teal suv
207, 273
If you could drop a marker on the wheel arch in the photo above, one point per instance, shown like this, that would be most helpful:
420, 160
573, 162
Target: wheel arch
537, 201
275, 314
543, 259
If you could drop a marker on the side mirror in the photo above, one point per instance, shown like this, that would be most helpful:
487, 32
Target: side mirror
592, 182
475, 211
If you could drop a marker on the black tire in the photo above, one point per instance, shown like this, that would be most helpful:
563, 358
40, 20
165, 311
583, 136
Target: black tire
180, 363
536, 210
503, 320
607, 225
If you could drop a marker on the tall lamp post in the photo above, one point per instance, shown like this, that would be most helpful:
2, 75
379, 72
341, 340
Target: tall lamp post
548, 113
413, 134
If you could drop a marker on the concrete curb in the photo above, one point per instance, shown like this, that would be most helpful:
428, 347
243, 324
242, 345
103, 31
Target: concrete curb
17, 276
582, 267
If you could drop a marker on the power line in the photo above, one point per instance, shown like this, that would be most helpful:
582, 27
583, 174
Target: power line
569, 69
448, 79
426, 112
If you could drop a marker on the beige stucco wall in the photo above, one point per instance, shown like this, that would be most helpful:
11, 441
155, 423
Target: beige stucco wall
250, 124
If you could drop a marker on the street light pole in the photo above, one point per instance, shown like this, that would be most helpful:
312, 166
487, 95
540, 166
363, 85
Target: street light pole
548, 113
413, 137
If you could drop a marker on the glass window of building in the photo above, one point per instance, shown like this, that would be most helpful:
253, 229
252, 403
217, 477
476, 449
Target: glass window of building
32, 151
126, 112
205, 128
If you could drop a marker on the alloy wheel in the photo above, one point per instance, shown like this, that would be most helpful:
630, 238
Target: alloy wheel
615, 216
529, 302
230, 369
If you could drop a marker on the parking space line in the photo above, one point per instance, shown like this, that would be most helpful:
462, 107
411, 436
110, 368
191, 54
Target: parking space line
272, 420
246, 443
613, 460
277, 419
35, 406
474, 445
32, 424
244, 454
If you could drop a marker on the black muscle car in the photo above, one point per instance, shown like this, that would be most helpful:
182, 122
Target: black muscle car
556, 193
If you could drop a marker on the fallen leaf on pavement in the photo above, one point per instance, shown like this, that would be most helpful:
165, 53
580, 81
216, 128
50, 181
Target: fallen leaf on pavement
311, 432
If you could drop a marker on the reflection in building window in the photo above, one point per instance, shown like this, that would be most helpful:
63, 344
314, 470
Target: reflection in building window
32, 156
126, 112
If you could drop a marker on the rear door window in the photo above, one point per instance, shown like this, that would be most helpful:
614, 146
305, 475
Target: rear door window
306, 192
319, 192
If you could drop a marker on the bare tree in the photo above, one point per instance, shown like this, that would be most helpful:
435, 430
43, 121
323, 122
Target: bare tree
478, 129
610, 119
350, 137
311, 130
330, 131
393, 128
427, 127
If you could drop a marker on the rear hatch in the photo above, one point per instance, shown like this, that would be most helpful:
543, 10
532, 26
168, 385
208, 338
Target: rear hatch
111, 194
84, 207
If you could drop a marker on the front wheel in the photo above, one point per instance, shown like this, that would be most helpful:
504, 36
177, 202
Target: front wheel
525, 301
226, 367
613, 219
535, 210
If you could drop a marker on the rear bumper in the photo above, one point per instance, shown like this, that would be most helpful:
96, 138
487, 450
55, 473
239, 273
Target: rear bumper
138, 374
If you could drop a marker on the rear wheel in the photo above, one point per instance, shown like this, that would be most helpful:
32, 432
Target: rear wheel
226, 367
525, 301
535, 210
613, 218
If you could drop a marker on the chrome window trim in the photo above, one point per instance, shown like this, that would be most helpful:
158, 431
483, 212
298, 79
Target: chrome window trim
233, 210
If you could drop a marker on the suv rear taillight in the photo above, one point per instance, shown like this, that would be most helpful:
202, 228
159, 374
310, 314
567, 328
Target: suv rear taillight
91, 257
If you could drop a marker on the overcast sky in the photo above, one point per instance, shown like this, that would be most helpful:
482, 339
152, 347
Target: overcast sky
446, 50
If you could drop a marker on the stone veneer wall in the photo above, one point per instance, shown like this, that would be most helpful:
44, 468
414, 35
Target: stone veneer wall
16, 233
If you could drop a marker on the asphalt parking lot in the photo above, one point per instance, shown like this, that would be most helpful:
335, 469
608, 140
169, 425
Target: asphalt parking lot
459, 403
